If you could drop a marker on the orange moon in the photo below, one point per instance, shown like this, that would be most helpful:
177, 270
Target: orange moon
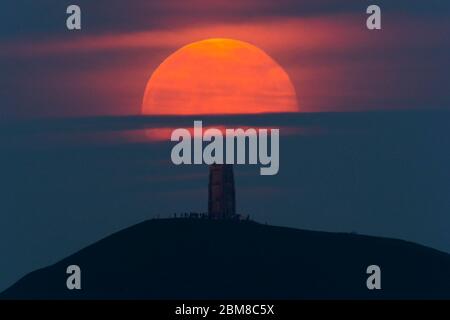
219, 76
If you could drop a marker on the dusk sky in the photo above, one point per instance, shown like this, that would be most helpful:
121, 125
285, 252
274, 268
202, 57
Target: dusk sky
70, 174
334, 62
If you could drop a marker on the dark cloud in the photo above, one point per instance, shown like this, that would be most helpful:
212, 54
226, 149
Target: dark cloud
46, 18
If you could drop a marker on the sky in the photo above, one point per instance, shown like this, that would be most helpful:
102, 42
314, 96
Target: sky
367, 152
333, 60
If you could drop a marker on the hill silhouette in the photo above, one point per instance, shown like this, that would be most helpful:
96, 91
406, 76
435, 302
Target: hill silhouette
209, 259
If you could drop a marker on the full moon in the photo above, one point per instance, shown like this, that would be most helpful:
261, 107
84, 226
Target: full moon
219, 76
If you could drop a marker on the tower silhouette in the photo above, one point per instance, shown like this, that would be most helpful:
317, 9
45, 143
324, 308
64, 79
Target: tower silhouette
221, 194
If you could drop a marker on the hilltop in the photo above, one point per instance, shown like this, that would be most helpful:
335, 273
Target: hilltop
201, 258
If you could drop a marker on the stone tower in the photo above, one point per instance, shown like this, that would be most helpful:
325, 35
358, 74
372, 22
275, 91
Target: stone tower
221, 195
